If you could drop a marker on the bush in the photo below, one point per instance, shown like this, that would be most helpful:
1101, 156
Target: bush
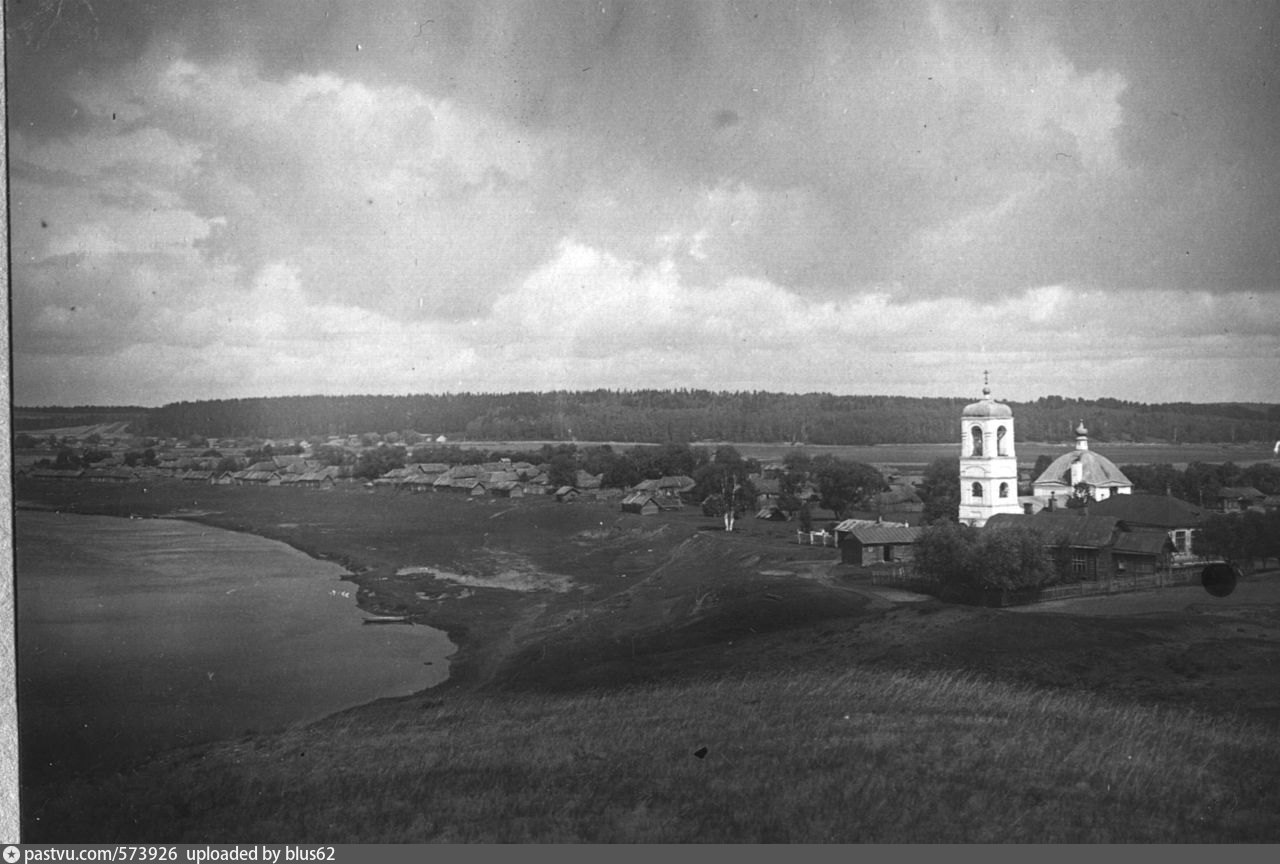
961, 559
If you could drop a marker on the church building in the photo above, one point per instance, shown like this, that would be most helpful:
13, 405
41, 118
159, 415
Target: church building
1080, 471
988, 464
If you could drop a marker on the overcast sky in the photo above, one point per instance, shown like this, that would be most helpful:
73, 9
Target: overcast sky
271, 198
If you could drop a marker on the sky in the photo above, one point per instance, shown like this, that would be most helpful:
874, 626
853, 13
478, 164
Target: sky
239, 199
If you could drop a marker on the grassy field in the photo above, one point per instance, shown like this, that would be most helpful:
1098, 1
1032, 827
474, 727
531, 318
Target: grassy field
820, 757
624, 679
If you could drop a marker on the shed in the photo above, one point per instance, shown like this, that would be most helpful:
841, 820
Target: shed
876, 544
644, 503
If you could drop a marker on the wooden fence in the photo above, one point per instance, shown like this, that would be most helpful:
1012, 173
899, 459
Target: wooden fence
902, 576
1120, 584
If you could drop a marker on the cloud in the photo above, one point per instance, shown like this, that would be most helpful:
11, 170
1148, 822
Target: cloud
862, 197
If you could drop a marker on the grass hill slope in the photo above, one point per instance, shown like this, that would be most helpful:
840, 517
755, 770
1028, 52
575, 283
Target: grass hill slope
633, 679
857, 755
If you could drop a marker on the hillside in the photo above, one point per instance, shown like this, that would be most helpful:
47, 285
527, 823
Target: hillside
673, 416
625, 678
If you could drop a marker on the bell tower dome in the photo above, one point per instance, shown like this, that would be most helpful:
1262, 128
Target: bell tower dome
988, 463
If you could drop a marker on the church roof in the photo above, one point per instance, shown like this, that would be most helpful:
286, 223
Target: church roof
987, 407
1096, 470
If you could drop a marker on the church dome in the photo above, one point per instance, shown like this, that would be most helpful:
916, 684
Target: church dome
1096, 470
987, 407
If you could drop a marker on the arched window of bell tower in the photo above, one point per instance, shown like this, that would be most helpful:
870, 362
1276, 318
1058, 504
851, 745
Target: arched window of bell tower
1002, 448
977, 490
1004, 490
976, 432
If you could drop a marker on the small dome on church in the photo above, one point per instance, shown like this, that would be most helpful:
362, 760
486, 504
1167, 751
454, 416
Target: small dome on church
1080, 430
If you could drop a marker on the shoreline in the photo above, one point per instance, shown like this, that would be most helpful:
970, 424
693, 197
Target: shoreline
352, 568
477, 621
285, 653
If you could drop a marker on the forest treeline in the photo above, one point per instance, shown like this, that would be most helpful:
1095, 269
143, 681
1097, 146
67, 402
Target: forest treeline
679, 416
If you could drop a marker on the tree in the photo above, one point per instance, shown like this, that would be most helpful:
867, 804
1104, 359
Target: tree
944, 554
378, 461
1263, 534
1013, 556
328, 454
259, 454
562, 470
846, 486
93, 455
806, 518
940, 489
1221, 535
1263, 476
1082, 496
960, 558
737, 499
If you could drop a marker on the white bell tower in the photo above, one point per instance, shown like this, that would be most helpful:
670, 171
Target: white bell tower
988, 463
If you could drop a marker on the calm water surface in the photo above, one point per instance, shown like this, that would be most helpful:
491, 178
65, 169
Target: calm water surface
134, 636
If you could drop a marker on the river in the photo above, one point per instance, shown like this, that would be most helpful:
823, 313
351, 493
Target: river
135, 636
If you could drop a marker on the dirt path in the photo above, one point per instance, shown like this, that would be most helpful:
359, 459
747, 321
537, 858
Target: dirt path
830, 573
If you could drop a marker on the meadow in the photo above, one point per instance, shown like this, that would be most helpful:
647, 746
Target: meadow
849, 756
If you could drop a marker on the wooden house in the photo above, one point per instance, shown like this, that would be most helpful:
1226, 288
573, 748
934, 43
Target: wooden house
867, 545
1236, 499
643, 503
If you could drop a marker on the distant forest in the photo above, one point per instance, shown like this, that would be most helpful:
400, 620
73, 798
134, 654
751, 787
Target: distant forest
669, 416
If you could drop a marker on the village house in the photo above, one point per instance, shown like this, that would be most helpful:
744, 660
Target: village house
1237, 499
867, 544
1092, 547
1176, 518
648, 503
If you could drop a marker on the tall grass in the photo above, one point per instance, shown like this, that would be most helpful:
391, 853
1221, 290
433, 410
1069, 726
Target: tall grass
862, 756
